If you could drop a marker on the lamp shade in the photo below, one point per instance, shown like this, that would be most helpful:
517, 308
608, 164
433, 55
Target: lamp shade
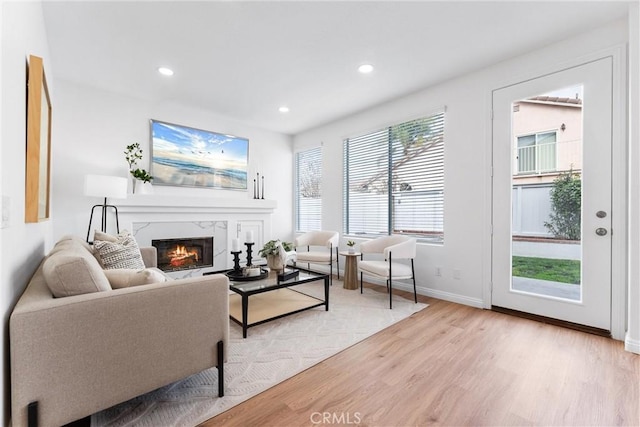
105, 186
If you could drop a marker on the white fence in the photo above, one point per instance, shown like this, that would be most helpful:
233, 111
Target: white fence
531, 207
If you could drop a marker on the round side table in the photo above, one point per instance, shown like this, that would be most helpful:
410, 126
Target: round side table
350, 269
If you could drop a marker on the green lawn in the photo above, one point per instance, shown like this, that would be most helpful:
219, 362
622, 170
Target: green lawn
556, 270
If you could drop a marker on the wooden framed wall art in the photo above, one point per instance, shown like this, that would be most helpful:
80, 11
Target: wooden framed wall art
38, 150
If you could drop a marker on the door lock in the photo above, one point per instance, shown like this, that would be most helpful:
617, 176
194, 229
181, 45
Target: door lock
601, 214
601, 231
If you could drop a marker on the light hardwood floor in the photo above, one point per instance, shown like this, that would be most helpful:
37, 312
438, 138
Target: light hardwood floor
458, 366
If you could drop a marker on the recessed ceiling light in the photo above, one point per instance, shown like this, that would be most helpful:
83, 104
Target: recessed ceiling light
283, 109
365, 68
165, 71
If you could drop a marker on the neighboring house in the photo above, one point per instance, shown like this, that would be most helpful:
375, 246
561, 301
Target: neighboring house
547, 134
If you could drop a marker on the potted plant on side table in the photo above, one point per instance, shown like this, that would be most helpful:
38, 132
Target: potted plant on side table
351, 244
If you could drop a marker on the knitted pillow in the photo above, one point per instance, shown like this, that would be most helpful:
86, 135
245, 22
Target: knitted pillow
123, 253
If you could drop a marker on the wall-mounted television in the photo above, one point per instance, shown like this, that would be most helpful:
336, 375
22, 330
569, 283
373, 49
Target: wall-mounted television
185, 156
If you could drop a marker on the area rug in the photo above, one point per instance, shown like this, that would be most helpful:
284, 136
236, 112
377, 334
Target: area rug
270, 354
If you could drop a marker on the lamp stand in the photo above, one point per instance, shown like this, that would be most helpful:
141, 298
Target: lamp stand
103, 228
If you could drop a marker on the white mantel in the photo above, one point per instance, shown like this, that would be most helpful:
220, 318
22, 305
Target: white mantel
165, 203
151, 216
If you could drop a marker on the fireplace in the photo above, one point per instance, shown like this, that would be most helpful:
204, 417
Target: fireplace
184, 253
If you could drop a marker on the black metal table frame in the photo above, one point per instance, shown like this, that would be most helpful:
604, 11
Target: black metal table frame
245, 298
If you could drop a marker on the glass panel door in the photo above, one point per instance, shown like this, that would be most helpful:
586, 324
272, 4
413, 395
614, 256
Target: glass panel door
547, 194
551, 198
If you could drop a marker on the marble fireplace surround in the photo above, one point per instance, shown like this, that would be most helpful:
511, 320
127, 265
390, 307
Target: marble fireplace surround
167, 217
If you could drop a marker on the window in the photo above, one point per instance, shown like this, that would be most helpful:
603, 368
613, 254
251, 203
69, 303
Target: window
394, 180
536, 153
308, 170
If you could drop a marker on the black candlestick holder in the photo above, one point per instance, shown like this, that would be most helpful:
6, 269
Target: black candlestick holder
236, 260
249, 245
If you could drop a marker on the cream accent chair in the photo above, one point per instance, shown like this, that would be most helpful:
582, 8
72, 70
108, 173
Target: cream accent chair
313, 240
392, 248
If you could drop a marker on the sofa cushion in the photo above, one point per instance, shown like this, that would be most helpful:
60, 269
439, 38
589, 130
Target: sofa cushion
123, 253
321, 256
72, 270
127, 277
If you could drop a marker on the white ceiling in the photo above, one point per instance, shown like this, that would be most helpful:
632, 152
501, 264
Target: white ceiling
245, 59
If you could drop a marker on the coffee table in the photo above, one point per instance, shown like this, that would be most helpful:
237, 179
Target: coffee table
259, 301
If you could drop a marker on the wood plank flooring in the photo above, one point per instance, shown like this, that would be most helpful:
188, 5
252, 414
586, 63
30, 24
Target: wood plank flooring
456, 365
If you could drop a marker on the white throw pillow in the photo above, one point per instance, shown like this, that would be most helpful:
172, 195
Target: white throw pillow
123, 253
99, 235
126, 277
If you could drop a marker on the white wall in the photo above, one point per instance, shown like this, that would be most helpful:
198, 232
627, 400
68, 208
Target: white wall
467, 160
22, 245
632, 340
93, 127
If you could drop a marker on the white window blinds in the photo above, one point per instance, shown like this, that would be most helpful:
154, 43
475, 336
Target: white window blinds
394, 180
308, 170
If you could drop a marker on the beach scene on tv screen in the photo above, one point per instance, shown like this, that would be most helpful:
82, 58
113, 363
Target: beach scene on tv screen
197, 158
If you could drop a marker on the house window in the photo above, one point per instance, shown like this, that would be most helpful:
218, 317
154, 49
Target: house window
308, 170
536, 153
394, 180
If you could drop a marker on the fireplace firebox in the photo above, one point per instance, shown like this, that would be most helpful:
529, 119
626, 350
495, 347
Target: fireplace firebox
184, 253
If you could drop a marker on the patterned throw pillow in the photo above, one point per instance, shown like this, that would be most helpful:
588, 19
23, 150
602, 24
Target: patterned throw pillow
123, 253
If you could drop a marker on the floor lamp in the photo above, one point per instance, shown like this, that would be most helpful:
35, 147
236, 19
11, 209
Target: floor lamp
105, 186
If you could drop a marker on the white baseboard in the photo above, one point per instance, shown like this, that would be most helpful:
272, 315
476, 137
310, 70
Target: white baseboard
433, 293
448, 296
421, 290
631, 345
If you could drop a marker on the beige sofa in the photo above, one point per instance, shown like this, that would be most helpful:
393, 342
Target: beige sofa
77, 355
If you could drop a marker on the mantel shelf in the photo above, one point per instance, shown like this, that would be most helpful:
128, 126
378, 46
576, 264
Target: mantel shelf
162, 202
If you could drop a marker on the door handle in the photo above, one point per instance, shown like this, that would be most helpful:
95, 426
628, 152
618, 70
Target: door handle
601, 231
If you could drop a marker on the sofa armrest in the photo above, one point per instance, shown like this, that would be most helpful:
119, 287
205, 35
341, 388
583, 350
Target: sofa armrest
78, 355
149, 256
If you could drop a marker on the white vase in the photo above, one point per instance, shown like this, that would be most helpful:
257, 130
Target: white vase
144, 188
134, 185
352, 250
